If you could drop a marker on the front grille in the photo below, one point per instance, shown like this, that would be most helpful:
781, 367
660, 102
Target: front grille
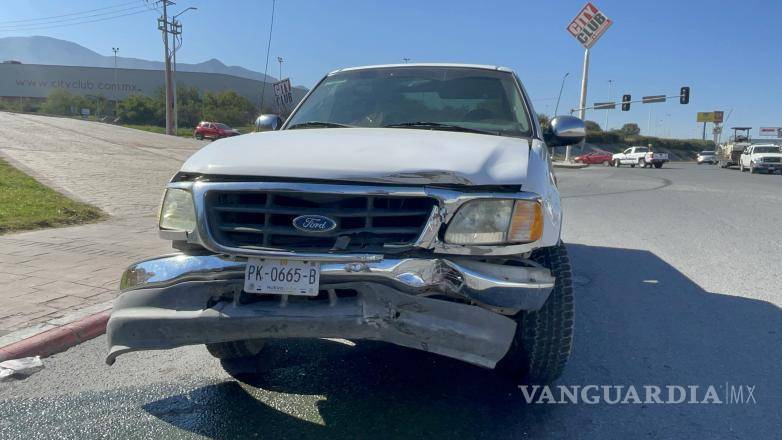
771, 160
264, 219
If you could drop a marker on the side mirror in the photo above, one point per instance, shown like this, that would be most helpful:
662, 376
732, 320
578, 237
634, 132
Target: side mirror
565, 130
268, 123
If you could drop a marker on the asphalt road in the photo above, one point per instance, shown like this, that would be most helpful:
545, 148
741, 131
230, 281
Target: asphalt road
676, 273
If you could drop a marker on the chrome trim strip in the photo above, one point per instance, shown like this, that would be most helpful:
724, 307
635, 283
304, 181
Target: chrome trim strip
493, 286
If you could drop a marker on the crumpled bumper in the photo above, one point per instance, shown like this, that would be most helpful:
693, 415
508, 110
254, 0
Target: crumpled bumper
178, 300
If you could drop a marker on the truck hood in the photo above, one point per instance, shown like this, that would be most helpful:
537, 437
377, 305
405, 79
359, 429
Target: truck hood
378, 155
761, 155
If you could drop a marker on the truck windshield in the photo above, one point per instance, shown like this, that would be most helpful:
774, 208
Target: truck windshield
765, 150
433, 98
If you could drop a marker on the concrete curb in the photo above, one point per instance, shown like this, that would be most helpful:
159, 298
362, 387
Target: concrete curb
569, 165
57, 339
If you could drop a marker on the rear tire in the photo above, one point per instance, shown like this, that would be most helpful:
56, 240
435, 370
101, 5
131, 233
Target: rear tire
544, 338
658, 165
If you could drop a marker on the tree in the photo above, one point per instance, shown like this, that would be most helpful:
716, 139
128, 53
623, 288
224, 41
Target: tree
62, 102
140, 109
228, 107
190, 106
592, 126
545, 121
630, 129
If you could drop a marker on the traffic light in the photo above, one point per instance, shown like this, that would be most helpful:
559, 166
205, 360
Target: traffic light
626, 102
684, 95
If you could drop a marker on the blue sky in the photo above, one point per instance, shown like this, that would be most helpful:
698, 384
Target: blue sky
727, 51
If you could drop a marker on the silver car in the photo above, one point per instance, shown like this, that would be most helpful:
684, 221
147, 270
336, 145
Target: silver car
706, 157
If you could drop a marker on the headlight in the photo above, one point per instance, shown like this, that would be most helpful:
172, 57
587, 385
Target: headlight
177, 212
482, 222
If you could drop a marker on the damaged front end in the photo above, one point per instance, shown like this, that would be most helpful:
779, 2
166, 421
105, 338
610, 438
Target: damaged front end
456, 307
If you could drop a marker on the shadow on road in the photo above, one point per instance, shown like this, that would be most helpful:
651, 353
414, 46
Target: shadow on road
639, 322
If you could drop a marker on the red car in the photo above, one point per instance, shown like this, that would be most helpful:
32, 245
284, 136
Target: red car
214, 131
594, 158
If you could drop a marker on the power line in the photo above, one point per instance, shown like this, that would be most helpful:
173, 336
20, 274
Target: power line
68, 15
75, 23
111, 14
268, 48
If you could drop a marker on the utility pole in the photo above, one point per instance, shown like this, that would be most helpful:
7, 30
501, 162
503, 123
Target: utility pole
649, 124
165, 26
114, 89
280, 60
610, 82
406, 60
561, 87
583, 100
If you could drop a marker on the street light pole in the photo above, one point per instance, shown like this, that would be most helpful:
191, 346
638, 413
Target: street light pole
280, 60
561, 87
610, 82
114, 89
582, 101
176, 45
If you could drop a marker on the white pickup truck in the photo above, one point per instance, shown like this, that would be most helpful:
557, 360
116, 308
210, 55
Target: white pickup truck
413, 204
641, 156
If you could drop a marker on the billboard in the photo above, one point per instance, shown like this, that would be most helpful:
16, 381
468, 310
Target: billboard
770, 131
589, 25
715, 117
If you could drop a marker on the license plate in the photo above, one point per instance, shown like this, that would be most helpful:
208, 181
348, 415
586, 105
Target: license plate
282, 277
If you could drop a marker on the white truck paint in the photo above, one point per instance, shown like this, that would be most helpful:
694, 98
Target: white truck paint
641, 156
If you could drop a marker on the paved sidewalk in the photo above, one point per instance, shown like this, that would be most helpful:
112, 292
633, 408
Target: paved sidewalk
46, 274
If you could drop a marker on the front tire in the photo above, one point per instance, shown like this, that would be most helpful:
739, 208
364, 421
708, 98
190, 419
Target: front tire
617, 164
235, 350
544, 338
658, 165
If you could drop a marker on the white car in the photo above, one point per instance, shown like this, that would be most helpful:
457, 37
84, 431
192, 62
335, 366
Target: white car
761, 157
641, 156
706, 157
414, 204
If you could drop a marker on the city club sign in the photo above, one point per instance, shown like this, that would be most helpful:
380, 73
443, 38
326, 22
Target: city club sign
589, 25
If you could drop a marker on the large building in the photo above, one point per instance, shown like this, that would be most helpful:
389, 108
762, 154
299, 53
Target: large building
38, 81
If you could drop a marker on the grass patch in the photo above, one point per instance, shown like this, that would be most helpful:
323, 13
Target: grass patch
27, 204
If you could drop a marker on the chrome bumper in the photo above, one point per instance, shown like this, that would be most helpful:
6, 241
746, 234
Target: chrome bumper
179, 300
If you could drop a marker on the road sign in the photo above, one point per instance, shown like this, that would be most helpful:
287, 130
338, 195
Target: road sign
283, 93
589, 25
605, 105
770, 131
715, 117
652, 99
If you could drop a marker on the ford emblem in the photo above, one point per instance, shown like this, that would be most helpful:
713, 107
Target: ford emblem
314, 223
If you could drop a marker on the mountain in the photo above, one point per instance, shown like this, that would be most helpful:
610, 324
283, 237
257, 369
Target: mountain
47, 50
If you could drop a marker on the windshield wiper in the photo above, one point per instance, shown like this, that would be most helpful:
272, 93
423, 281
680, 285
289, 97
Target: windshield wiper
440, 126
315, 124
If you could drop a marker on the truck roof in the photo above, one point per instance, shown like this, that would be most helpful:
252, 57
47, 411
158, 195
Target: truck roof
383, 66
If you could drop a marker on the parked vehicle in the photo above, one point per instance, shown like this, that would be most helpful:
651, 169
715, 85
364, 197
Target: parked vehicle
594, 158
214, 131
706, 157
761, 157
729, 153
641, 156
414, 204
